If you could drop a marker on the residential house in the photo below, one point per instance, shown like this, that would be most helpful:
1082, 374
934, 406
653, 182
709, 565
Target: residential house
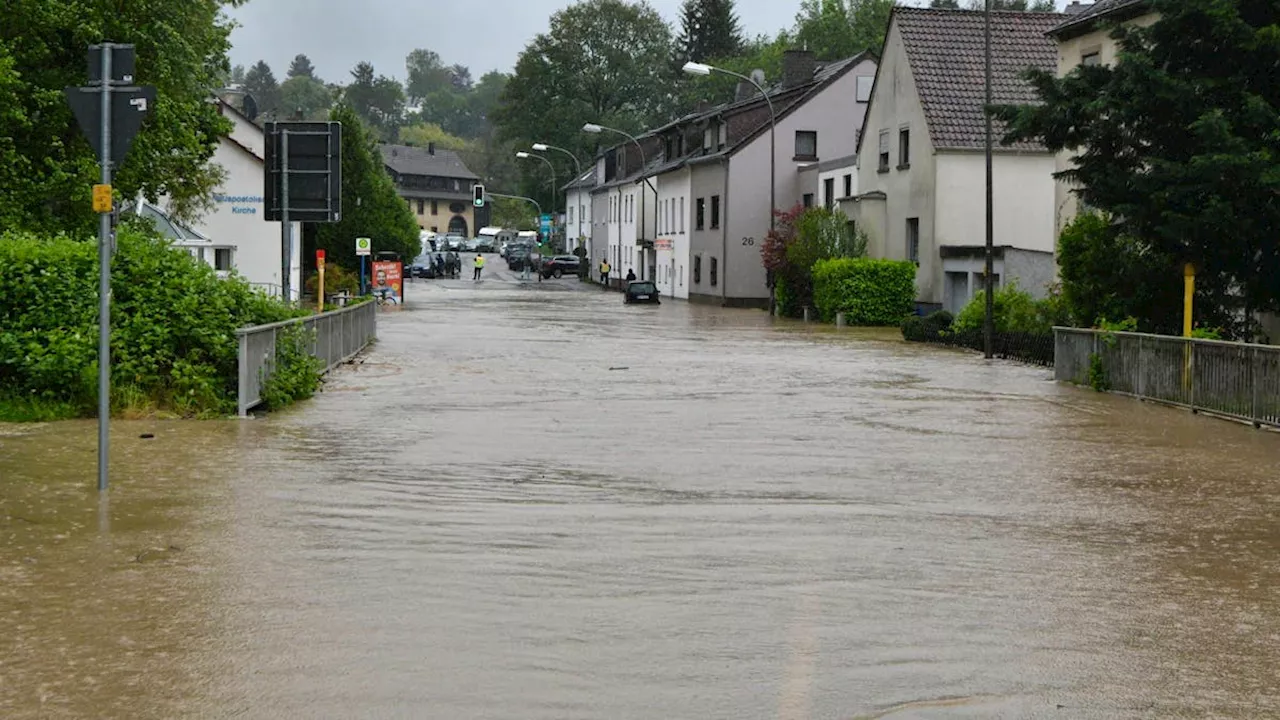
232, 236
577, 215
627, 197
437, 186
921, 164
711, 175
1084, 38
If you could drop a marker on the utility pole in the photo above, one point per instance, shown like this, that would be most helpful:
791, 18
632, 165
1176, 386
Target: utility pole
988, 325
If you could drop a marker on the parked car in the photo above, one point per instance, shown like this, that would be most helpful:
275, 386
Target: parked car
483, 244
423, 266
560, 265
456, 243
642, 292
517, 256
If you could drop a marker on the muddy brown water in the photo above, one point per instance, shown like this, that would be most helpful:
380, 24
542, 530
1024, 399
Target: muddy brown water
534, 502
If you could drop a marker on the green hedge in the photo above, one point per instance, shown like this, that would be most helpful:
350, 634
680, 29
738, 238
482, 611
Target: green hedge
173, 343
868, 292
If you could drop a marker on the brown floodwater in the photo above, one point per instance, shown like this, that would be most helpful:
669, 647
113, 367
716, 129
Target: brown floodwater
533, 502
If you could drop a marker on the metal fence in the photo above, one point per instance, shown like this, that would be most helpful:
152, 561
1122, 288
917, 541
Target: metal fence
1237, 380
332, 337
1030, 348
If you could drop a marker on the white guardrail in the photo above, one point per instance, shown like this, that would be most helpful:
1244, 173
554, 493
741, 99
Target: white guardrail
334, 338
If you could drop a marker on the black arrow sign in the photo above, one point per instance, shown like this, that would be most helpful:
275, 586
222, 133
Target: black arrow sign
130, 106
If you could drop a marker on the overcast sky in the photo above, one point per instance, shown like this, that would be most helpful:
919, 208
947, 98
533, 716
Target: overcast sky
484, 35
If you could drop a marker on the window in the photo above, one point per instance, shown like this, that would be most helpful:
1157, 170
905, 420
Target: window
435, 228
715, 212
865, 83
913, 240
222, 258
700, 214
806, 145
722, 134
697, 269
1093, 58
200, 254
422, 206
435, 207
829, 192
714, 272
884, 151
808, 200
848, 185
570, 214
904, 148
681, 214
706, 138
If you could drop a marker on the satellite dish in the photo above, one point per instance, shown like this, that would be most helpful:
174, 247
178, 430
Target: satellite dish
250, 107
758, 75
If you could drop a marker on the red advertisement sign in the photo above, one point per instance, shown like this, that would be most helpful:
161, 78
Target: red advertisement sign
664, 244
386, 276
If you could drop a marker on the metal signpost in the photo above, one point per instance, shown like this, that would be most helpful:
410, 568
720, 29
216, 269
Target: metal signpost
110, 111
516, 197
302, 181
364, 246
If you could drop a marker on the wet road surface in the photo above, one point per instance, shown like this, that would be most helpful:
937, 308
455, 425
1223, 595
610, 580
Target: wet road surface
530, 501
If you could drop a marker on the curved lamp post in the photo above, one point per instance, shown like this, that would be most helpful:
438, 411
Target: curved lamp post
694, 68
543, 147
596, 129
526, 155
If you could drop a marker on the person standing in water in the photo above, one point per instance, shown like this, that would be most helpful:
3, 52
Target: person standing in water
479, 266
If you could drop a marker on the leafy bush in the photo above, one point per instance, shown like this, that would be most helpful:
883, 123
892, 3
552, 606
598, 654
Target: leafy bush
173, 341
931, 327
868, 292
296, 375
800, 238
337, 279
1014, 310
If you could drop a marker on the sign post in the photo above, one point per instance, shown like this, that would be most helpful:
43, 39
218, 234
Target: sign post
110, 111
302, 182
364, 246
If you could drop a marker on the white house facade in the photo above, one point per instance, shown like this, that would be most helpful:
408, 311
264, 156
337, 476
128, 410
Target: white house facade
577, 215
921, 187
238, 238
675, 192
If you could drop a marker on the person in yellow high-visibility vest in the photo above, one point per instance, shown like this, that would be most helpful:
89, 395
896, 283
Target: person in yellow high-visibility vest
604, 272
479, 266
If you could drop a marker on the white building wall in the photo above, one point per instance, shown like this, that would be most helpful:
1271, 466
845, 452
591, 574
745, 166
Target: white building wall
578, 218
1022, 207
236, 219
674, 222
836, 176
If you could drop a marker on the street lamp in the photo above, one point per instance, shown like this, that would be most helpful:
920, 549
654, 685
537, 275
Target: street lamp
524, 156
543, 147
988, 324
596, 129
694, 68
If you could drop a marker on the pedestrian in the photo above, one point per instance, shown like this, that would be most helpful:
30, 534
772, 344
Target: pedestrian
604, 272
631, 275
479, 266
439, 265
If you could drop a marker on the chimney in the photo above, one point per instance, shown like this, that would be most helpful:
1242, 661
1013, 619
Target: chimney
744, 91
797, 68
1076, 7
703, 106
431, 148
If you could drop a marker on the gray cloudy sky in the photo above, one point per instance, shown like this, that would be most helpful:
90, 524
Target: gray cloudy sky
484, 35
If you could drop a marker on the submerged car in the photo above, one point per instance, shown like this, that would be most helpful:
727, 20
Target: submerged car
642, 291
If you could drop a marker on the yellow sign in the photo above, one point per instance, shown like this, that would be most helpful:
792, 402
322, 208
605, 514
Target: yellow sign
102, 198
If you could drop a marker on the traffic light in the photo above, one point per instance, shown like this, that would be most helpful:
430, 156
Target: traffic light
478, 201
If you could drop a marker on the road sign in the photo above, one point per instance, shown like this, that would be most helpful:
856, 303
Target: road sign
130, 106
546, 228
320, 258
364, 246
478, 195
303, 172
102, 198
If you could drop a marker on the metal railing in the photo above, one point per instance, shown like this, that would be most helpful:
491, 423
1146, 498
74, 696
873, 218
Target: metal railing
332, 337
1236, 380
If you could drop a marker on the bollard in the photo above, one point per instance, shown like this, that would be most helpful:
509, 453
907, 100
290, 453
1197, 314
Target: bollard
840, 320
806, 313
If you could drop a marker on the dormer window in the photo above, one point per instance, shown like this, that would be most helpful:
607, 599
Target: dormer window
723, 133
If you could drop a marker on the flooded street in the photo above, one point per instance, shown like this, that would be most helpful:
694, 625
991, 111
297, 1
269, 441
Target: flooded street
531, 501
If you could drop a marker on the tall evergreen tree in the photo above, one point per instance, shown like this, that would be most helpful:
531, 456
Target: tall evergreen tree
709, 30
1177, 143
378, 99
302, 67
261, 83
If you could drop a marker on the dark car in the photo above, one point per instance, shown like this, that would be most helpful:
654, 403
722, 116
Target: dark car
642, 292
560, 265
422, 267
518, 256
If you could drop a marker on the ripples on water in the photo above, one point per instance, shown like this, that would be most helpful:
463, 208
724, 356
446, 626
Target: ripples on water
485, 520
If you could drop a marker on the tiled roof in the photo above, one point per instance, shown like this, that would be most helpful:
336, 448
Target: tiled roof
946, 50
408, 160
587, 180
1093, 13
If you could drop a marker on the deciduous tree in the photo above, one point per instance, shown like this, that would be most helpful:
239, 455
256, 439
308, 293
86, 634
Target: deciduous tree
837, 29
1177, 141
47, 168
378, 99
305, 97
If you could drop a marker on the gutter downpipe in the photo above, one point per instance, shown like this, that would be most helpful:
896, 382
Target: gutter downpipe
724, 237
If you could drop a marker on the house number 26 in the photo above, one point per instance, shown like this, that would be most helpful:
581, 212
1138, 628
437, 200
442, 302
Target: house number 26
748, 241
